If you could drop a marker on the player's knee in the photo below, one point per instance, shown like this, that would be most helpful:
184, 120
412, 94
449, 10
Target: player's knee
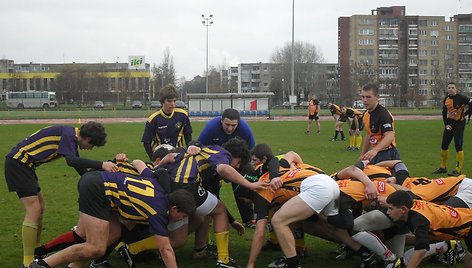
94, 251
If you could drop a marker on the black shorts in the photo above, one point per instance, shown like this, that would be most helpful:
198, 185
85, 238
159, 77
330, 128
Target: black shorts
342, 118
198, 192
361, 125
92, 199
313, 116
21, 178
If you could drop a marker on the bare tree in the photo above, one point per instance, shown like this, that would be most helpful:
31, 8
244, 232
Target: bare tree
164, 73
306, 56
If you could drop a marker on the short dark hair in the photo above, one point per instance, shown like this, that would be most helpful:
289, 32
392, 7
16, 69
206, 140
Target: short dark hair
95, 131
159, 153
371, 86
183, 200
231, 114
237, 147
451, 83
262, 150
167, 92
400, 198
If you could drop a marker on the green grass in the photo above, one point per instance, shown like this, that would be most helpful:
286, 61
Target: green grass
418, 142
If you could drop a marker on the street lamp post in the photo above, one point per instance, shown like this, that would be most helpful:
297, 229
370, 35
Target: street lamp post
292, 84
207, 22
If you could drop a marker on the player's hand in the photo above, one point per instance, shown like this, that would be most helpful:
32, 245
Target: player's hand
121, 157
110, 166
258, 185
391, 180
448, 127
238, 227
193, 150
275, 184
369, 155
370, 191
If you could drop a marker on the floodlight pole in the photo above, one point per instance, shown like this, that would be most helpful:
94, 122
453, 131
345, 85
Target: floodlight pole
207, 22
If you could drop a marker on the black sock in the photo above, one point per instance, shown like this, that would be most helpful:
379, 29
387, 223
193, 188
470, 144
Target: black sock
336, 134
364, 253
43, 263
342, 134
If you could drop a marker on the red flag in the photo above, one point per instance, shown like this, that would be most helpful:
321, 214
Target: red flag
253, 105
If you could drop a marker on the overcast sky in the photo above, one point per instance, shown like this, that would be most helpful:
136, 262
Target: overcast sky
57, 31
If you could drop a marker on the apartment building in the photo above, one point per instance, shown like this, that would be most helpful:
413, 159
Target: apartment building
411, 57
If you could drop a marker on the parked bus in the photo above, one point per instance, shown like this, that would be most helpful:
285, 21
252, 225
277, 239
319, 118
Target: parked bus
30, 99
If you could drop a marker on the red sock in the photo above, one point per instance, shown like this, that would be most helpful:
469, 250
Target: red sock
61, 242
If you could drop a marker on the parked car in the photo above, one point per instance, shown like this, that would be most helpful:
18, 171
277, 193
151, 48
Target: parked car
136, 104
98, 105
180, 104
155, 104
358, 104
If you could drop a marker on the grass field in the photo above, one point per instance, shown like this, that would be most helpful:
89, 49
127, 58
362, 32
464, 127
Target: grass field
418, 142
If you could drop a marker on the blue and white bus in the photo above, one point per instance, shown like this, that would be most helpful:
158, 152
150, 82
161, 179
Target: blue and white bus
31, 99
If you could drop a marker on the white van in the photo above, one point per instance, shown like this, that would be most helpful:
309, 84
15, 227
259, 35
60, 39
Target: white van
358, 104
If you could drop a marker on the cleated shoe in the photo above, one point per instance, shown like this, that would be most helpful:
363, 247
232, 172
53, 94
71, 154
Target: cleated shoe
368, 262
451, 253
280, 262
126, 255
35, 264
454, 173
397, 263
440, 171
230, 264
103, 264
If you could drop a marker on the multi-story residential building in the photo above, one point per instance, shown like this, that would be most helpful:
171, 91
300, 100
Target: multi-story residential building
320, 79
81, 83
410, 57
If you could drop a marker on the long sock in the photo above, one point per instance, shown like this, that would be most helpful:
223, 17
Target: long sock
436, 248
352, 141
29, 233
299, 236
358, 141
342, 134
372, 242
459, 161
444, 155
336, 135
142, 245
61, 242
222, 246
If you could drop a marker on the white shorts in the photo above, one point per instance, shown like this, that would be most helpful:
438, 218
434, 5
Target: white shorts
207, 206
321, 193
465, 191
174, 225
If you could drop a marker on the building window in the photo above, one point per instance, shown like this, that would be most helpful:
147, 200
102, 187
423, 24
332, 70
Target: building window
412, 31
434, 23
366, 31
366, 42
449, 37
413, 61
448, 28
423, 82
465, 29
434, 52
366, 21
423, 62
434, 62
255, 76
423, 52
421, 42
423, 71
422, 32
449, 47
434, 42
366, 52
435, 33
422, 23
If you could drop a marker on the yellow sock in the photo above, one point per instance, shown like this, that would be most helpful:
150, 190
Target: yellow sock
222, 246
459, 161
444, 155
358, 141
352, 141
30, 236
142, 245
